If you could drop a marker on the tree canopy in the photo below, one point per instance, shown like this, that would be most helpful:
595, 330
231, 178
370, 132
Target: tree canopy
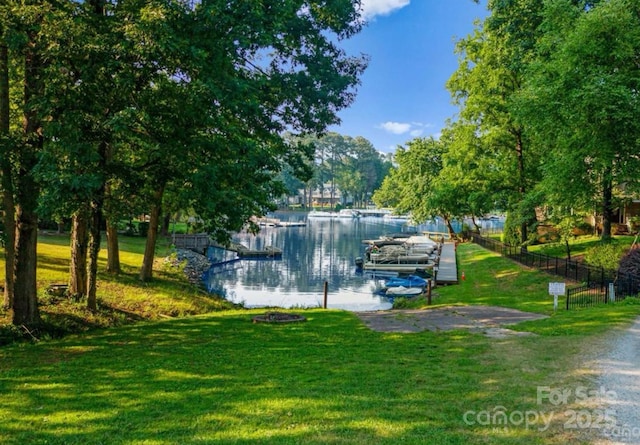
548, 120
124, 101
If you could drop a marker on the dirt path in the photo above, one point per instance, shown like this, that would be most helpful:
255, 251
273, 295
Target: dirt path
619, 371
489, 320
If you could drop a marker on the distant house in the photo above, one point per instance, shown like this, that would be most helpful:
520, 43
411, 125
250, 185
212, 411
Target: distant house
625, 218
325, 197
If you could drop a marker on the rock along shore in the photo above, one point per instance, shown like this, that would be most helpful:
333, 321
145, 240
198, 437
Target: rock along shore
195, 264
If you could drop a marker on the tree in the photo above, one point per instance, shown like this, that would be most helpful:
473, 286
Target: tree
582, 101
414, 185
33, 20
470, 176
5, 166
492, 69
259, 70
361, 171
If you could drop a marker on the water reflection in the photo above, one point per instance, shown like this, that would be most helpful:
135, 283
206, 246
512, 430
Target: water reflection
322, 251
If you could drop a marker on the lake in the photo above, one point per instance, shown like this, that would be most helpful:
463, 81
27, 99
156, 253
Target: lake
324, 250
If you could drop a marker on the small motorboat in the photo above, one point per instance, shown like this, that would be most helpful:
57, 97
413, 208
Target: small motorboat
406, 282
401, 291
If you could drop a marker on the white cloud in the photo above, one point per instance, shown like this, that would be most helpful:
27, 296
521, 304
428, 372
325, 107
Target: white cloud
414, 129
396, 127
372, 8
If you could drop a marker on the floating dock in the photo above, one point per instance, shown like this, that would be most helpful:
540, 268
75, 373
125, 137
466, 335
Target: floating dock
246, 253
447, 266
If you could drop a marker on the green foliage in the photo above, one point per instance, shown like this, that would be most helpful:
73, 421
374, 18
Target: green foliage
605, 255
293, 377
580, 103
511, 234
143, 228
350, 165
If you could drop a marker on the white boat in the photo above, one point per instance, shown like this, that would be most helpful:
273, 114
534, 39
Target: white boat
320, 214
390, 265
417, 252
402, 291
397, 218
348, 213
405, 257
344, 213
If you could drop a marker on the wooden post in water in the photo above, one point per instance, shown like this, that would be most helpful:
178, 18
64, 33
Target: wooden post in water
326, 290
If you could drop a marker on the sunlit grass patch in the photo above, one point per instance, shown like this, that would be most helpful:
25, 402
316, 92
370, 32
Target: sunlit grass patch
221, 378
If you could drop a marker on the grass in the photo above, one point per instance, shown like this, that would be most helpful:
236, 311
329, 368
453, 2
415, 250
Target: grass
579, 245
218, 378
495, 281
122, 299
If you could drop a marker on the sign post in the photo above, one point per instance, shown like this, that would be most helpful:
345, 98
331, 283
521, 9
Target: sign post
556, 289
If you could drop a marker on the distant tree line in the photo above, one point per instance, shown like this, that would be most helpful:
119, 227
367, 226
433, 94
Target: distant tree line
112, 108
350, 165
549, 118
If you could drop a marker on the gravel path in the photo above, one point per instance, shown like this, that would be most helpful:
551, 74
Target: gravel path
490, 320
619, 373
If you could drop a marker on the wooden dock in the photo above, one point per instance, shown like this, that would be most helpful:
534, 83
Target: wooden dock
246, 253
448, 267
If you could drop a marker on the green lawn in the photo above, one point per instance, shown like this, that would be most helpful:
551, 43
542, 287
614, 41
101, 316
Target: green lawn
221, 379
579, 245
122, 299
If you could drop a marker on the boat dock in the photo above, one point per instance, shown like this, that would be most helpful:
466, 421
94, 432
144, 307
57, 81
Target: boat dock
447, 266
246, 253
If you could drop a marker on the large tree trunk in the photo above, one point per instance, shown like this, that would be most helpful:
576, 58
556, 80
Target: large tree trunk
25, 301
607, 210
7, 186
95, 225
113, 250
94, 251
452, 233
146, 272
522, 189
79, 248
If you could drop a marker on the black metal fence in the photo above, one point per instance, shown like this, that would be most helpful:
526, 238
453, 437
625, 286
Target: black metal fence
597, 281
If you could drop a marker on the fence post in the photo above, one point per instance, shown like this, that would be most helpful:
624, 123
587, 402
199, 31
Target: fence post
588, 275
326, 291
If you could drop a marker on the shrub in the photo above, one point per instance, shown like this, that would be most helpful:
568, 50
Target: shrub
143, 228
605, 255
511, 232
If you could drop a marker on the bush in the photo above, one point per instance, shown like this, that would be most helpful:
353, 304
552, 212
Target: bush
511, 232
143, 228
583, 228
630, 263
605, 255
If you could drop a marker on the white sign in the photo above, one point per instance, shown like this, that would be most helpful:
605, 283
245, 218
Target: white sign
556, 288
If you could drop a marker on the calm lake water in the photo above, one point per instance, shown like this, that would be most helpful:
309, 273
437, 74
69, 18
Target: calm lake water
322, 251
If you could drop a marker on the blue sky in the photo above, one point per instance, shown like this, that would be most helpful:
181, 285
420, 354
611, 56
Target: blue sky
410, 44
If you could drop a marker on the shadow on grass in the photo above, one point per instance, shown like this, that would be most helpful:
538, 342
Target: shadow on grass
223, 379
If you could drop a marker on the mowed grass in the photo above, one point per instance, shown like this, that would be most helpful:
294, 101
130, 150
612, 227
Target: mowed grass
219, 378
122, 298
